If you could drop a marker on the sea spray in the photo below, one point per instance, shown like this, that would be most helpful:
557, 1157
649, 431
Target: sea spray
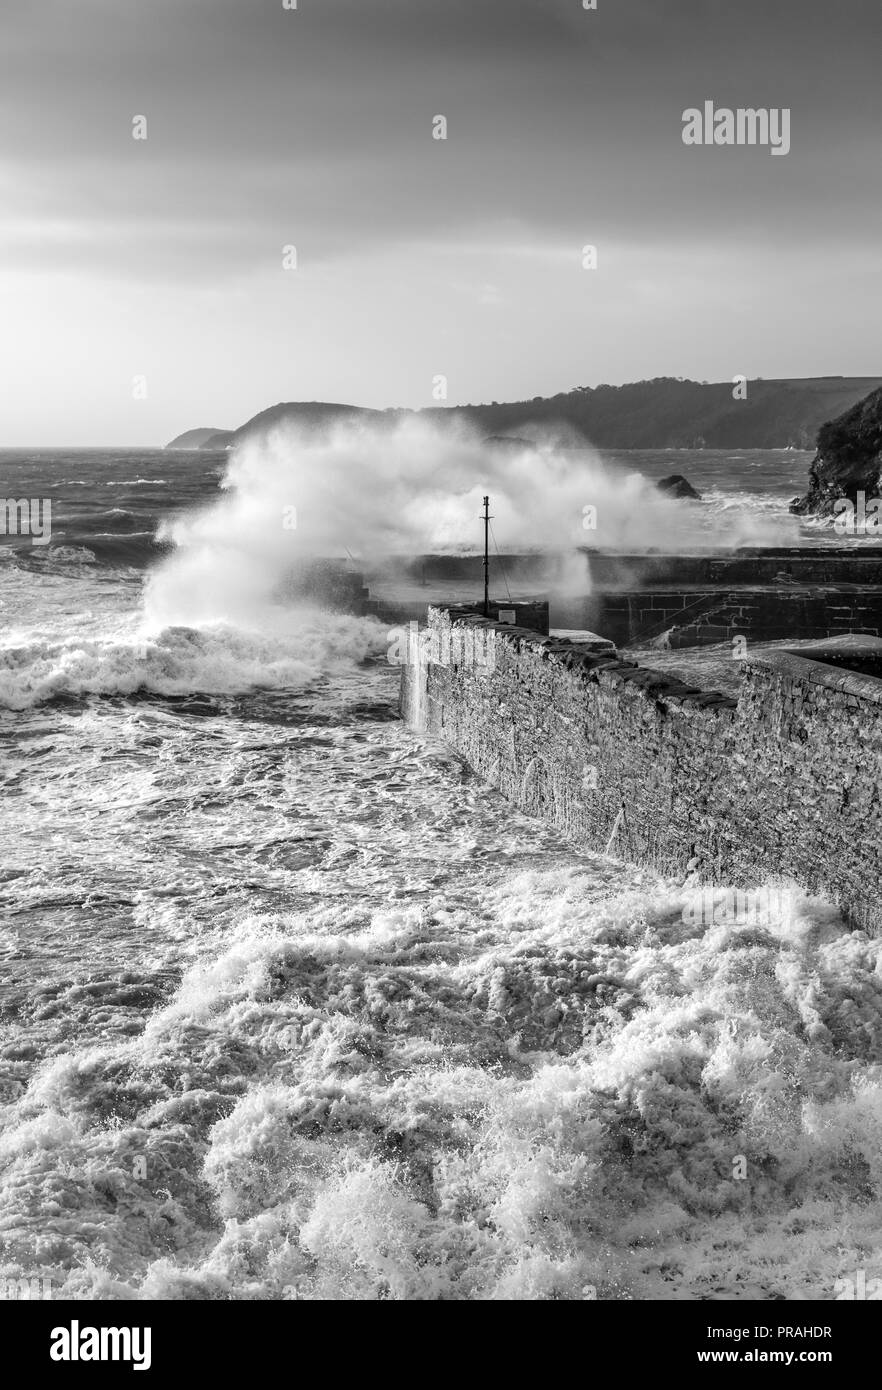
367, 491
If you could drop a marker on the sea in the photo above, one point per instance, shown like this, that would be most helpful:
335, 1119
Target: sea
292, 1006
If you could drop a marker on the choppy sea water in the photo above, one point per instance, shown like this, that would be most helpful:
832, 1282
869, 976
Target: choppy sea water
292, 1006
737, 485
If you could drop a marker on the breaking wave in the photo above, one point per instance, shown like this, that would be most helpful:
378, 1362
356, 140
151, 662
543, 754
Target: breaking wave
303, 647
561, 1094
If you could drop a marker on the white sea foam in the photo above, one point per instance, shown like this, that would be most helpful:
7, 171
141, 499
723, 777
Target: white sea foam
97, 639
303, 1011
547, 1093
216, 660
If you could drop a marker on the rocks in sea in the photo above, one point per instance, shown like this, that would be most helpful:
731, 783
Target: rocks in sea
848, 460
509, 441
678, 486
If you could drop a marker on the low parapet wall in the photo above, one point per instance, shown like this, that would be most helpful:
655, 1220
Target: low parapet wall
819, 564
781, 785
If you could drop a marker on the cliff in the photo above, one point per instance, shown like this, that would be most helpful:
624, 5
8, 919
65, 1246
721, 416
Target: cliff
849, 458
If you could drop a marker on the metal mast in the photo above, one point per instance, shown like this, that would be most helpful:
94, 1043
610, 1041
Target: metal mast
486, 557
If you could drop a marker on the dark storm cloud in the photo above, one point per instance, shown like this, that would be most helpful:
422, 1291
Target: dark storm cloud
315, 126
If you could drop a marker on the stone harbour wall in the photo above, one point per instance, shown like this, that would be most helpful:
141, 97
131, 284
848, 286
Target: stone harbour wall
781, 785
695, 617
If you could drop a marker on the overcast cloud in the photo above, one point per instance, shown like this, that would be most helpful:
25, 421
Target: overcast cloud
313, 127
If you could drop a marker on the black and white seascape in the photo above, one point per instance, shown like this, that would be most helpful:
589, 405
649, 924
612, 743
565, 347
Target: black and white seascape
294, 1003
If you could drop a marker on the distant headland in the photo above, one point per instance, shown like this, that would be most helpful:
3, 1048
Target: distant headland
664, 413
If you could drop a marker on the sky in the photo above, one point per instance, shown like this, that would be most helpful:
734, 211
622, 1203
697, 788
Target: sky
143, 288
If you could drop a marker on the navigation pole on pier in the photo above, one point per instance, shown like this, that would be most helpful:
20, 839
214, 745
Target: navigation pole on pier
486, 557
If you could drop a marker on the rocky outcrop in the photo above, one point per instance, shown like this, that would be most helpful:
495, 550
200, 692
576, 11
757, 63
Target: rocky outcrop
677, 486
848, 460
